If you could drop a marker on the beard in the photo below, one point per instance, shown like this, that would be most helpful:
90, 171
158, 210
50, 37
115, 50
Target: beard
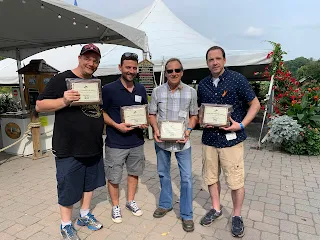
125, 77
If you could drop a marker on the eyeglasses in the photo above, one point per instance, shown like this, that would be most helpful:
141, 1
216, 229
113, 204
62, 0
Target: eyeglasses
178, 70
130, 55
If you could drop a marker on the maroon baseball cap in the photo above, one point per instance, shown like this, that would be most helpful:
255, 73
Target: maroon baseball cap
90, 47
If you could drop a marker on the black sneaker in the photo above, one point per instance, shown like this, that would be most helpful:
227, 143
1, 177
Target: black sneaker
237, 229
188, 225
209, 218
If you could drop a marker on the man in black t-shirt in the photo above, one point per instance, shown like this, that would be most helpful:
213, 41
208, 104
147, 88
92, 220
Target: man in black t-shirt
77, 143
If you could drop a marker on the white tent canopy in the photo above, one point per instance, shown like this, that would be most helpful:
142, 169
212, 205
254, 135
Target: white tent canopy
168, 37
34, 26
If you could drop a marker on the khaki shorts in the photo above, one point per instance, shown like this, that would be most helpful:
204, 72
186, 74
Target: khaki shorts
230, 159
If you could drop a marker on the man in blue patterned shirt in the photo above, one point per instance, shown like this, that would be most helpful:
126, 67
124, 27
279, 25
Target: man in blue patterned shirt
174, 101
223, 147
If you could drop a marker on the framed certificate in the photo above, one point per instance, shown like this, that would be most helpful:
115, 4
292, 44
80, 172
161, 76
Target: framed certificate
89, 90
135, 115
216, 115
172, 130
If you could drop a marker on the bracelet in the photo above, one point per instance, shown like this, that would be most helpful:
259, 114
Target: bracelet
189, 128
241, 125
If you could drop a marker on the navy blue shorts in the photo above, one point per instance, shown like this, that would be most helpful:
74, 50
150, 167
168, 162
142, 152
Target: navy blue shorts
76, 176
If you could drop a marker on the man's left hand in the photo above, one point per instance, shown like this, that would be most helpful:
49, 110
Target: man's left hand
235, 126
186, 137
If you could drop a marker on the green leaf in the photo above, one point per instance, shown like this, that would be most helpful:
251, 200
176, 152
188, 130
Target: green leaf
315, 118
297, 107
304, 101
300, 116
290, 112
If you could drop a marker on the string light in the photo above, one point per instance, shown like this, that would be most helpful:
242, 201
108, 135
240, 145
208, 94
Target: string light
1, 0
59, 15
23, 1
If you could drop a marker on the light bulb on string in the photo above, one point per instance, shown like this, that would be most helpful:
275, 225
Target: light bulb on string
23, 1
74, 23
1, 0
98, 28
86, 26
42, 7
59, 16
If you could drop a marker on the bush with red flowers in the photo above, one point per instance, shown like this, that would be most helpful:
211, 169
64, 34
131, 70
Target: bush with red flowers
297, 101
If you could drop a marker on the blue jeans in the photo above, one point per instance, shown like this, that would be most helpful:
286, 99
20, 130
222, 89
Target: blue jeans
185, 167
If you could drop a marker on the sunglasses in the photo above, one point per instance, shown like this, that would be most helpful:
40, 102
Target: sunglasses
178, 70
130, 55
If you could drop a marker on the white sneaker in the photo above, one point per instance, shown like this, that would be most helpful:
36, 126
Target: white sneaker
133, 207
116, 214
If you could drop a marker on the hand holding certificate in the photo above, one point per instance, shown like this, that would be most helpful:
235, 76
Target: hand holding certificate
89, 90
171, 130
216, 115
136, 115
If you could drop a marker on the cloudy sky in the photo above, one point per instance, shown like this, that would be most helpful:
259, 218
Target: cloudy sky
234, 24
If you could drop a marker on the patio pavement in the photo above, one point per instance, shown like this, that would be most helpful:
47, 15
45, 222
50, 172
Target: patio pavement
282, 200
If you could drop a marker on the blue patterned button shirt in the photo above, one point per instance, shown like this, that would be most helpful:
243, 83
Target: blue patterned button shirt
234, 89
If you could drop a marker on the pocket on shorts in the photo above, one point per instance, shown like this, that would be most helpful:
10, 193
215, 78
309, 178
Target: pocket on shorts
60, 173
237, 169
108, 161
203, 161
61, 178
135, 162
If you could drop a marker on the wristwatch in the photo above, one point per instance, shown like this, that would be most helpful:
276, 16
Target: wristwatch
190, 129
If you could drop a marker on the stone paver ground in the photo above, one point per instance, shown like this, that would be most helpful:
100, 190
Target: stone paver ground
282, 200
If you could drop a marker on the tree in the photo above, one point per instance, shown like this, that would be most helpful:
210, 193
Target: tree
1, 58
295, 64
310, 71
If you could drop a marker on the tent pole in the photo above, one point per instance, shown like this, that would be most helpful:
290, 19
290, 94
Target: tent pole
269, 103
145, 55
23, 102
162, 72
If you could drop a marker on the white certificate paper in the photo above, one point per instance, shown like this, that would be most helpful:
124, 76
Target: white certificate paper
89, 92
172, 130
215, 115
135, 116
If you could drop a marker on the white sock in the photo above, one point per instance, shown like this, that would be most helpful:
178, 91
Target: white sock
84, 212
63, 224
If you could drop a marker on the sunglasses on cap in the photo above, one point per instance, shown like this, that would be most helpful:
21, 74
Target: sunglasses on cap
130, 55
178, 70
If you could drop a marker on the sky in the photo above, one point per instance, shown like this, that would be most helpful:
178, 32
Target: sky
234, 24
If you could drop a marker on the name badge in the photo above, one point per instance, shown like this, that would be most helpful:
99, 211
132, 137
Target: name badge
137, 98
183, 114
231, 136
